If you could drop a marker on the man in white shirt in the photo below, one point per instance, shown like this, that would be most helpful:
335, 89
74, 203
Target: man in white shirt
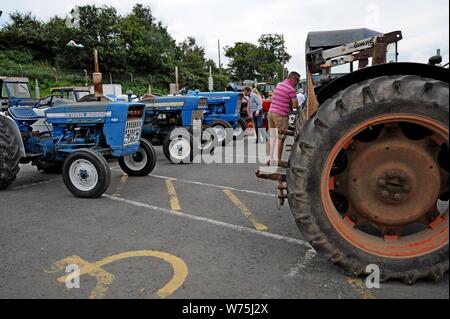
301, 98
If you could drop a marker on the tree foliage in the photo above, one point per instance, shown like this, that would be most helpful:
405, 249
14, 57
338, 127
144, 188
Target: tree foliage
264, 61
133, 44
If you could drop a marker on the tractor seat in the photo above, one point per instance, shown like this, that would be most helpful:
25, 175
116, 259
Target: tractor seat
23, 114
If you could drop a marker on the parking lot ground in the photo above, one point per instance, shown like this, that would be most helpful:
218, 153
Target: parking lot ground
135, 242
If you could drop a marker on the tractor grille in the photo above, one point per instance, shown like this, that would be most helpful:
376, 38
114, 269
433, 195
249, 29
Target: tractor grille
132, 132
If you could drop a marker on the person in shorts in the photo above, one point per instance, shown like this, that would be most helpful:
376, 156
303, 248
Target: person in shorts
284, 99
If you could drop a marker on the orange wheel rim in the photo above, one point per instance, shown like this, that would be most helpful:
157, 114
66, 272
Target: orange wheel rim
381, 185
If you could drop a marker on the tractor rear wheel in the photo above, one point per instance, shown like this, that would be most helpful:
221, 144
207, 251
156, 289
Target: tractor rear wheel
368, 181
9, 154
178, 146
222, 128
140, 163
86, 174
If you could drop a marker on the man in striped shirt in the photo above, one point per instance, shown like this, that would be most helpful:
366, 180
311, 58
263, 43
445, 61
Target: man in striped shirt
284, 99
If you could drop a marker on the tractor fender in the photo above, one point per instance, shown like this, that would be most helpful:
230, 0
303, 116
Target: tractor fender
13, 126
390, 69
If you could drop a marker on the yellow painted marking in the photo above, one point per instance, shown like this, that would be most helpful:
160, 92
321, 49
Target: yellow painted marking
123, 181
360, 288
103, 278
174, 202
180, 271
247, 212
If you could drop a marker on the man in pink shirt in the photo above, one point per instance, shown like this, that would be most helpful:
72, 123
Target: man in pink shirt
284, 99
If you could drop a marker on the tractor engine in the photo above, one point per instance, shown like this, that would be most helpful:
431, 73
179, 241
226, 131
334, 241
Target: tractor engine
112, 128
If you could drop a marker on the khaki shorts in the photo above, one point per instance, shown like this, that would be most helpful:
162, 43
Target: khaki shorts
278, 122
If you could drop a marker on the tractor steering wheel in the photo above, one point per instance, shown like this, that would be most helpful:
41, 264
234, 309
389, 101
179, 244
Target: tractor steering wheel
46, 101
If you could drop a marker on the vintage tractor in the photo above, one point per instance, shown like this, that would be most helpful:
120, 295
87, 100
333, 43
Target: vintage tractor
222, 114
368, 176
81, 138
171, 121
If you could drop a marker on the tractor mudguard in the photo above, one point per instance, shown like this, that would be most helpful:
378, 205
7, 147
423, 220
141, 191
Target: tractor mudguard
390, 69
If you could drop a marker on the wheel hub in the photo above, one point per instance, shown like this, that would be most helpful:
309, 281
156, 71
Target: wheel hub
394, 186
84, 175
393, 181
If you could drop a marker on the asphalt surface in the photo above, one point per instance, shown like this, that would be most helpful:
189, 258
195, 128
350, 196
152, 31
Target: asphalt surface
220, 236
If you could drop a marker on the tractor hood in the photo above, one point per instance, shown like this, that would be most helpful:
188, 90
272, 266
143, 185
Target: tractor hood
177, 102
85, 113
217, 97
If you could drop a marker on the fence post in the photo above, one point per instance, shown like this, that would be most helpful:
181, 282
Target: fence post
56, 74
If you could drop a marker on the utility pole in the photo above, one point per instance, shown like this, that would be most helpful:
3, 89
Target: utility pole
210, 80
177, 79
218, 49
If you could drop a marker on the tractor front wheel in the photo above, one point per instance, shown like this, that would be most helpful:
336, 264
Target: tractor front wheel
368, 181
86, 174
140, 163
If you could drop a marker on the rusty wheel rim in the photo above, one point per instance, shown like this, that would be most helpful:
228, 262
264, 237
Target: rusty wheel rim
381, 185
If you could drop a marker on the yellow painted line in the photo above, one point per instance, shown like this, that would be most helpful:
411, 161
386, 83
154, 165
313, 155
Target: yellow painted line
123, 181
360, 287
174, 202
180, 270
244, 209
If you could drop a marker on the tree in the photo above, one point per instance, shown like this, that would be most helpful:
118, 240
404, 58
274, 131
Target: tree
135, 43
23, 32
243, 60
275, 44
192, 64
263, 62
150, 49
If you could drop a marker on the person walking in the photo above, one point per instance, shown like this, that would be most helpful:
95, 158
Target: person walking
284, 99
254, 110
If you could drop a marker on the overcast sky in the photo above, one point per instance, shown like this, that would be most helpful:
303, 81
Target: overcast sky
425, 24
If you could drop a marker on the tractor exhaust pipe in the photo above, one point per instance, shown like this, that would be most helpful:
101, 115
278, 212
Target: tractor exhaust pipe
97, 78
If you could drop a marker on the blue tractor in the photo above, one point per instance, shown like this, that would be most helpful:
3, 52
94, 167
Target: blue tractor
170, 121
223, 114
80, 138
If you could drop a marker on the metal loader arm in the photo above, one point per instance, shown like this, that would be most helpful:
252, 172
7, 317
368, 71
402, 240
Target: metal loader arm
373, 47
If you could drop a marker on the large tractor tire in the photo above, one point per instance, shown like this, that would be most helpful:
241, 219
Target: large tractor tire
9, 154
142, 162
368, 182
